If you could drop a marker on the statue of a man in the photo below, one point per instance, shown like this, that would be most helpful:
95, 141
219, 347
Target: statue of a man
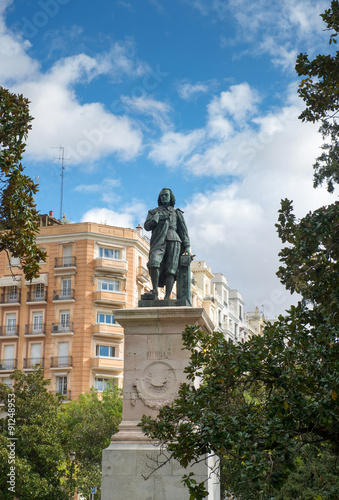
169, 241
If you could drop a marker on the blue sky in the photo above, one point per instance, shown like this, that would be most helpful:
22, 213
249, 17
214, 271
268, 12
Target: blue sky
196, 95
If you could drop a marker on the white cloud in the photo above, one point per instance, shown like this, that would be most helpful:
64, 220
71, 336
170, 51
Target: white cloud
238, 103
110, 217
188, 90
287, 23
146, 105
97, 188
174, 147
88, 131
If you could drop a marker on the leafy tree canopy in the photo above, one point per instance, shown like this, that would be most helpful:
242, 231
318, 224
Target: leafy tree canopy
39, 457
88, 424
320, 91
46, 430
19, 219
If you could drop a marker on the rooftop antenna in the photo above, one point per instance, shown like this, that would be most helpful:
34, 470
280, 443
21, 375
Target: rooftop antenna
62, 158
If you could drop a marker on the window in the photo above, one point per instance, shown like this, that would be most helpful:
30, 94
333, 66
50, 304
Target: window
7, 381
39, 291
107, 319
63, 354
65, 319
42, 261
109, 253
10, 324
105, 351
66, 288
13, 293
15, 261
101, 383
61, 385
108, 285
35, 354
37, 322
67, 256
8, 357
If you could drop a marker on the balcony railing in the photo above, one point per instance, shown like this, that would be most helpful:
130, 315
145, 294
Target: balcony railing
64, 262
9, 331
64, 294
10, 298
61, 361
61, 328
31, 362
37, 296
142, 273
8, 364
39, 329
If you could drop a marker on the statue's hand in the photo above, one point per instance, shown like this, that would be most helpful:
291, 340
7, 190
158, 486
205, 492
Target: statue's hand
187, 251
164, 215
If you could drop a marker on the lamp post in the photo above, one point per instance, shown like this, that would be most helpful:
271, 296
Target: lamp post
72, 458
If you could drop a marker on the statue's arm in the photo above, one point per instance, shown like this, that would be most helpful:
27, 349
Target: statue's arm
152, 220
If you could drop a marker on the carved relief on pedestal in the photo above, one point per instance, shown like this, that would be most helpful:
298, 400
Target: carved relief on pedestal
156, 387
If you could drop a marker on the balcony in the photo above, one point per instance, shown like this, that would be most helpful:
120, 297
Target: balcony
10, 299
29, 363
65, 262
39, 329
142, 274
37, 297
8, 364
110, 298
107, 330
62, 362
106, 363
9, 331
64, 295
111, 265
62, 328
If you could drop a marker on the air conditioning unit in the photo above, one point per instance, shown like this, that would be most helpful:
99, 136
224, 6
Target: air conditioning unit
55, 328
56, 297
2, 366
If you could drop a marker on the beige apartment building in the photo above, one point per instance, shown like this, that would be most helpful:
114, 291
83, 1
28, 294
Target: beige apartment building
64, 319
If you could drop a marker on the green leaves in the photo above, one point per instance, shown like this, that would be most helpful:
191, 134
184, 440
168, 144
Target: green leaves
47, 430
19, 221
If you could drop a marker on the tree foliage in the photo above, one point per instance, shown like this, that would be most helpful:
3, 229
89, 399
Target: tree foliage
320, 91
320, 88
89, 423
19, 219
39, 457
46, 430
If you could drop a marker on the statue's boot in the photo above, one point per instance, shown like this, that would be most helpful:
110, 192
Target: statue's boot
154, 274
170, 278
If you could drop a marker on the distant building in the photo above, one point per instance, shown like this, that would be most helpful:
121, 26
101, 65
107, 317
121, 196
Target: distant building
224, 305
64, 319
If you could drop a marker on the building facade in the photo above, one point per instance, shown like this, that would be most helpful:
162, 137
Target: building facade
64, 320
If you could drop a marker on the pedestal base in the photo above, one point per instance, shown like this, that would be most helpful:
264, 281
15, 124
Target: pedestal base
126, 467
154, 369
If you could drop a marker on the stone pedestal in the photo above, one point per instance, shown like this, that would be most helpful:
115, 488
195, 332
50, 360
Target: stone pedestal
154, 365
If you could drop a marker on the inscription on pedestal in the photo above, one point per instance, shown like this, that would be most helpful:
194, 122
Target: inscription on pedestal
159, 347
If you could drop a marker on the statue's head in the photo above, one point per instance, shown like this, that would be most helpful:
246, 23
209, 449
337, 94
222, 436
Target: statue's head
171, 195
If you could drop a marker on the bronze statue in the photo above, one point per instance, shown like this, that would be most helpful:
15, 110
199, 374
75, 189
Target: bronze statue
169, 242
